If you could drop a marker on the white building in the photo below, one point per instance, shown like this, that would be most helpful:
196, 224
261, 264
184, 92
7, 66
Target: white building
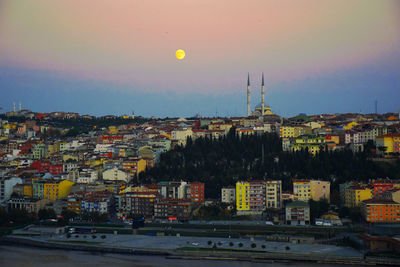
274, 194
228, 195
6, 187
115, 174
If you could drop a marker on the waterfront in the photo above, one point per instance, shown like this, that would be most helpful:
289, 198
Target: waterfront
29, 256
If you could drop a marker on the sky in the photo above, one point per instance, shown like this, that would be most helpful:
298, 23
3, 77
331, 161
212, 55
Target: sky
117, 57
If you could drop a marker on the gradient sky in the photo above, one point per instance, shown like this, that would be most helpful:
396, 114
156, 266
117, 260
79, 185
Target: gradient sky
114, 57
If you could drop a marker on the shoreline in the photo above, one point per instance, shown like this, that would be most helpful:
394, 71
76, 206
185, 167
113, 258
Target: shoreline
202, 255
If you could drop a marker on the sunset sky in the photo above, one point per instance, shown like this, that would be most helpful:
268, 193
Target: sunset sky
113, 57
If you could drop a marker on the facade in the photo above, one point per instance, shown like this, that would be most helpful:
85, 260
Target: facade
297, 213
311, 142
138, 203
274, 194
178, 209
304, 190
115, 174
40, 151
6, 187
355, 195
255, 196
288, 131
173, 189
228, 195
381, 211
28, 204
196, 192
54, 190
380, 186
388, 143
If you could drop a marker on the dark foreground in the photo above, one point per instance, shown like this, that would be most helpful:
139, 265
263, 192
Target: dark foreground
30, 256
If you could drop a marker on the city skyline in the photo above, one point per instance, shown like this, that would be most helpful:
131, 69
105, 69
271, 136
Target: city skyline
119, 57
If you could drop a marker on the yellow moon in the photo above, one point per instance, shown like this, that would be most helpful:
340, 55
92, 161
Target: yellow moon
180, 54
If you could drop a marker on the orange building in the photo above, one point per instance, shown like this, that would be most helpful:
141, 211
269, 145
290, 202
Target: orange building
381, 211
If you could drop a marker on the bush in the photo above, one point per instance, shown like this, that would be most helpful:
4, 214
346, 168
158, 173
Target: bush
68, 235
209, 242
220, 243
231, 244
76, 236
240, 245
93, 236
253, 245
263, 246
287, 248
103, 236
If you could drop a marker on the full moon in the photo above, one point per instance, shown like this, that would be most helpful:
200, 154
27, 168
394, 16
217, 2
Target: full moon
180, 54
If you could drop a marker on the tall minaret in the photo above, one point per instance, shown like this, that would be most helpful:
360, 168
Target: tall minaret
248, 94
20, 106
262, 95
13, 106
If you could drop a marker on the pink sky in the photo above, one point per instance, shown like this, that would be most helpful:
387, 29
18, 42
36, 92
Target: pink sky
133, 42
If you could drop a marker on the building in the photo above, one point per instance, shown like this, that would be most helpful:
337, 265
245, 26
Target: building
139, 203
297, 213
355, 195
292, 131
381, 211
6, 187
311, 142
176, 209
173, 189
196, 192
54, 190
255, 196
393, 194
381, 185
40, 151
228, 195
274, 194
28, 204
96, 202
388, 143
304, 190
115, 174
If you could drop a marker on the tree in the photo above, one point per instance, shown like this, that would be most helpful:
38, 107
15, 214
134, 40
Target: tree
67, 215
45, 214
317, 208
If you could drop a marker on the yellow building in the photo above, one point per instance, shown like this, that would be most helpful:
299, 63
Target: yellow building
242, 196
350, 125
95, 162
57, 189
293, 131
70, 157
28, 192
388, 143
314, 143
112, 129
304, 190
354, 196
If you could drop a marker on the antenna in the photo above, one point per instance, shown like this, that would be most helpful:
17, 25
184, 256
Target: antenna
376, 106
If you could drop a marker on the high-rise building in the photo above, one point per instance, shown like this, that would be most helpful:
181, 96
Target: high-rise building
254, 196
304, 190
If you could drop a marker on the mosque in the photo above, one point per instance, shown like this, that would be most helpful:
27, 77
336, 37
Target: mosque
261, 109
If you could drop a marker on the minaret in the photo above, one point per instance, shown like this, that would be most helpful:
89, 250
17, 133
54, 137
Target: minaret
248, 94
13, 106
262, 95
20, 106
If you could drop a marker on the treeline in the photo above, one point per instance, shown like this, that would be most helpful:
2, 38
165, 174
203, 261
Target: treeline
224, 161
